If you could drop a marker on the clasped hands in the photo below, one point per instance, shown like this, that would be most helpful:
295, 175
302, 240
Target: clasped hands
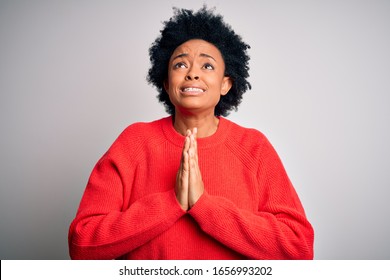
189, 185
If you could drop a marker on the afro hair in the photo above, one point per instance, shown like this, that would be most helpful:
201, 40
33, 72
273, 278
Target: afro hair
205, 25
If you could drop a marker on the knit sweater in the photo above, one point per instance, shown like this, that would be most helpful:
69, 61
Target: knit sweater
249, 209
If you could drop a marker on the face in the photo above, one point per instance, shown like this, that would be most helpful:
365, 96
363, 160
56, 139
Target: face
196, 77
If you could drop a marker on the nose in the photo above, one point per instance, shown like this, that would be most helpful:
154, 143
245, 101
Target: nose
190, 77
192, 74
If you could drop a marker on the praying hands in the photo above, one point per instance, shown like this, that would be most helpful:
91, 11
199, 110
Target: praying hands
189, 185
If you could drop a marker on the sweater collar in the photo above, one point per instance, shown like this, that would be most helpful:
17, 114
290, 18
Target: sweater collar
211, 141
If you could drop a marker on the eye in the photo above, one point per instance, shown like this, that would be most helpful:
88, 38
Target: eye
208, 66
179, 65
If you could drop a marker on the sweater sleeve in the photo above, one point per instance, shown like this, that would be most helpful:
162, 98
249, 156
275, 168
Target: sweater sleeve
277, 230
104, 226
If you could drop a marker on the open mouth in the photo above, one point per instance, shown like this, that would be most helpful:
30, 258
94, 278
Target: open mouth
192, 90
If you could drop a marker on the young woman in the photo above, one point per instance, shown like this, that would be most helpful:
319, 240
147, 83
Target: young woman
192, 185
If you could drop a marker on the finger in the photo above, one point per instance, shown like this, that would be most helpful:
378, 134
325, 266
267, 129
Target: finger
196, 144
191, 150
182, 176
194, 147
196, 187
181, 189
195, 176
185, 160
185, 150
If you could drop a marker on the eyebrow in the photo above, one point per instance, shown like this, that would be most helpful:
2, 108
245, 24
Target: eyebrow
202, 54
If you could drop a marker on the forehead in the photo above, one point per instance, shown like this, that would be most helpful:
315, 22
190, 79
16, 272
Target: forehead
197, 47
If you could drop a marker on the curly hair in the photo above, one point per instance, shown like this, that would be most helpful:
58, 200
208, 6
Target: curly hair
205, 25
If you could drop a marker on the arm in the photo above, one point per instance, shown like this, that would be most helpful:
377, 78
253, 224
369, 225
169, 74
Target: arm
278, 230
264, 235
104, 227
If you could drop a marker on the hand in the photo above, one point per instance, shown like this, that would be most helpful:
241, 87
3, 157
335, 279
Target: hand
189, 185
181, 187
195, 182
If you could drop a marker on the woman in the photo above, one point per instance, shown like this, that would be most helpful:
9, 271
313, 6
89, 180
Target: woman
193, 185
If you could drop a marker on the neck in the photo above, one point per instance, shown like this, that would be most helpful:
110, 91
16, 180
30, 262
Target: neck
207, 125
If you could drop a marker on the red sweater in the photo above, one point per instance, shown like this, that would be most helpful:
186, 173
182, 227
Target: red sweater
249, 209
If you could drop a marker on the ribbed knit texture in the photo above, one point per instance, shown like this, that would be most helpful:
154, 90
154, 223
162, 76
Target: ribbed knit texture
249, 210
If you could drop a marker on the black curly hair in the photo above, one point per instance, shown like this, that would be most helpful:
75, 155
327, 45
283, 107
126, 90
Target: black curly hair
203, 24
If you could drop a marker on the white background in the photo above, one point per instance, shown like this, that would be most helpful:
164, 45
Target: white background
72, 77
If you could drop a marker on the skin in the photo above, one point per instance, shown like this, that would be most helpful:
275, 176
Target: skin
196, 81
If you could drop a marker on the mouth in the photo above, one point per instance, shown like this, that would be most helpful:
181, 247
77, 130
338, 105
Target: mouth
192, 90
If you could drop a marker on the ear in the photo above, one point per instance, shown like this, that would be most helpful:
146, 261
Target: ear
227, 84
166, 85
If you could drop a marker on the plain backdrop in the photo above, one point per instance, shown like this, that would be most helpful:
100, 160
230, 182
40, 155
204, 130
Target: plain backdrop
73, 76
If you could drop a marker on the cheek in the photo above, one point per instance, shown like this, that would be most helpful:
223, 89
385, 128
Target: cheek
173, 80
215, 82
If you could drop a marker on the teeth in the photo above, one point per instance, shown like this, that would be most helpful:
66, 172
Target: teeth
193, 89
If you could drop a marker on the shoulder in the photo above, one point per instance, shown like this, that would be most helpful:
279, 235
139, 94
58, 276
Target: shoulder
244, 136
137, 135
141, 126
248, 142
142, 130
